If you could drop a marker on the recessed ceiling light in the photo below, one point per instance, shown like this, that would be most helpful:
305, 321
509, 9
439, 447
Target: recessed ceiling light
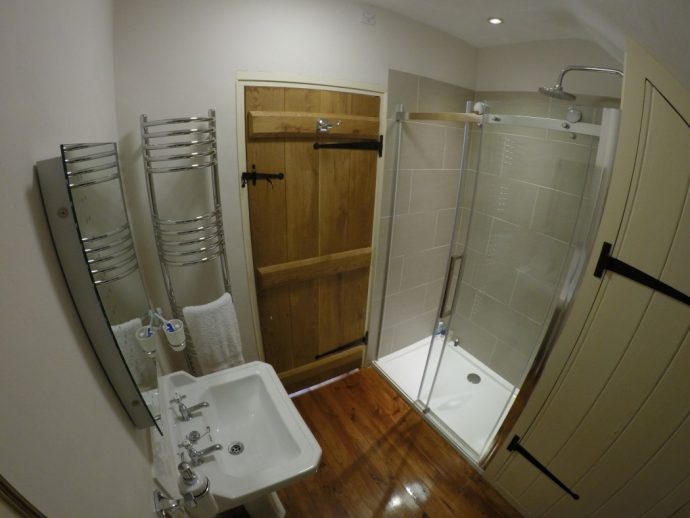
494, 20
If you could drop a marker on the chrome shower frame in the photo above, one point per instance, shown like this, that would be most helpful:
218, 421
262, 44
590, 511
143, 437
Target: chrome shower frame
572, 273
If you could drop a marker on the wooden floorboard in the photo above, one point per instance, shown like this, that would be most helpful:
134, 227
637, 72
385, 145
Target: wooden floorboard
381, 459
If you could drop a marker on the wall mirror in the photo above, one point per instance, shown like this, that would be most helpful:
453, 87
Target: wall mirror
82, 196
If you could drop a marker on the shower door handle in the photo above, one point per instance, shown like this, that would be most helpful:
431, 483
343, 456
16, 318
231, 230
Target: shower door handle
446, 287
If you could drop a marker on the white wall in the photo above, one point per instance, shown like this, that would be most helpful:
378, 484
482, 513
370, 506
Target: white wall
65, 441
175, 57
527, 66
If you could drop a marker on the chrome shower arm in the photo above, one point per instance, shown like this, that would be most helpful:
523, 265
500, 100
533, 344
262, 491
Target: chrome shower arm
559, 83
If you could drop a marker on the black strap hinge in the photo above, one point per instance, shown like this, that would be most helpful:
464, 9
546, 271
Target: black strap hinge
518, 448
367, 145
606, 262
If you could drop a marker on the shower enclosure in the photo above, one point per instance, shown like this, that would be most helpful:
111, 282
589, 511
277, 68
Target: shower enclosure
529, 197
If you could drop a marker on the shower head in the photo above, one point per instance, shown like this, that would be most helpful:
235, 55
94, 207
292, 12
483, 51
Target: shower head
557, 91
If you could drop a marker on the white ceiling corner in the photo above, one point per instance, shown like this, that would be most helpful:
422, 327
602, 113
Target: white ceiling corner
659, 25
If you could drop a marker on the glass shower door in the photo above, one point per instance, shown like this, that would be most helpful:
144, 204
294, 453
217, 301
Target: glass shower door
533, 189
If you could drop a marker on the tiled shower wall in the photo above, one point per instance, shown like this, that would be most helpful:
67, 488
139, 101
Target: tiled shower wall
528, 195
527, 201
425, 207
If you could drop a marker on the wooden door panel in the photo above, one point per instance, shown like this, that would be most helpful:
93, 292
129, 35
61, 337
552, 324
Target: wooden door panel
312, 268
342, 309
334, 208
311, 232
269, 243
304, 308
276, 326
302, 200
279, 124
361, 197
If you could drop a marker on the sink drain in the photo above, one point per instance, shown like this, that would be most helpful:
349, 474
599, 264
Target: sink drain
474, 378
235, 448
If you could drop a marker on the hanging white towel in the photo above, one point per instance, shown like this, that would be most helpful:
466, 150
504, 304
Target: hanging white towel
142, 367
215, 333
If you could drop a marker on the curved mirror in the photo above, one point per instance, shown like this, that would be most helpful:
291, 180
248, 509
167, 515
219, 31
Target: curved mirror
97, 255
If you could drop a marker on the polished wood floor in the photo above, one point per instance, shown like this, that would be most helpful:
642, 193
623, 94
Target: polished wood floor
381, 459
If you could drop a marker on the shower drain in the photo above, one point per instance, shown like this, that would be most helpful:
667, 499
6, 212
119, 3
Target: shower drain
473, 378
235, 448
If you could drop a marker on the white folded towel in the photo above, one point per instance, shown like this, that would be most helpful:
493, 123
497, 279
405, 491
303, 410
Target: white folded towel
142, 367
215, 333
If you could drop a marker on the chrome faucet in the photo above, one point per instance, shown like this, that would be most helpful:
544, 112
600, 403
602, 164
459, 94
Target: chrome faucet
184, 410
196, 456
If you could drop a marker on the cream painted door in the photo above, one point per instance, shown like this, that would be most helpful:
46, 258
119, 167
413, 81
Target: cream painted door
616, 427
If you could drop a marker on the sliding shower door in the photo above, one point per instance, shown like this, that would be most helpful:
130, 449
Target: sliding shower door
519, 241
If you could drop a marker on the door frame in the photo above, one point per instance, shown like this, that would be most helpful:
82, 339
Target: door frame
270, 79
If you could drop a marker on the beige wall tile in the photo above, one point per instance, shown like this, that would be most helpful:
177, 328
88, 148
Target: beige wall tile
386, 342
473, 339
403, 305
468, 179
445, 218
506, 199
424, 266
489, 156
453, 147
508, 362
413, 330
531, 253
558, 165
433, 294
422, 146
494, 278
555, 214
532, 297
394, 275
478, 237
505, 323
412, 233
462, 230
506, 242
387, 192
403, 194
543, 257
433, 190
466, 299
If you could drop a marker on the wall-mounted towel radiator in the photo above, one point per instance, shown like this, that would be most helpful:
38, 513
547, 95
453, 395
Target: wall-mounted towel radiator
184, 146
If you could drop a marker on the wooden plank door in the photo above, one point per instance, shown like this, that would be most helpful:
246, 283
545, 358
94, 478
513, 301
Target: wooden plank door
311, 232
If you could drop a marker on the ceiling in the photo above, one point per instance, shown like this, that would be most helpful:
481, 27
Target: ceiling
659, 25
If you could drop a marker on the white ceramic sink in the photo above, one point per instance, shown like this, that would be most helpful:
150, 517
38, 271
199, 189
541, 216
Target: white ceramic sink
247, 404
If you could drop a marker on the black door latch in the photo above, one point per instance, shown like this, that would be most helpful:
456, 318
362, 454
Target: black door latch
253, 176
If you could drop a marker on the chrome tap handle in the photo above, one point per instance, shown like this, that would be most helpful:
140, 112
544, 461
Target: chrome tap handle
178, 398
196, 455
